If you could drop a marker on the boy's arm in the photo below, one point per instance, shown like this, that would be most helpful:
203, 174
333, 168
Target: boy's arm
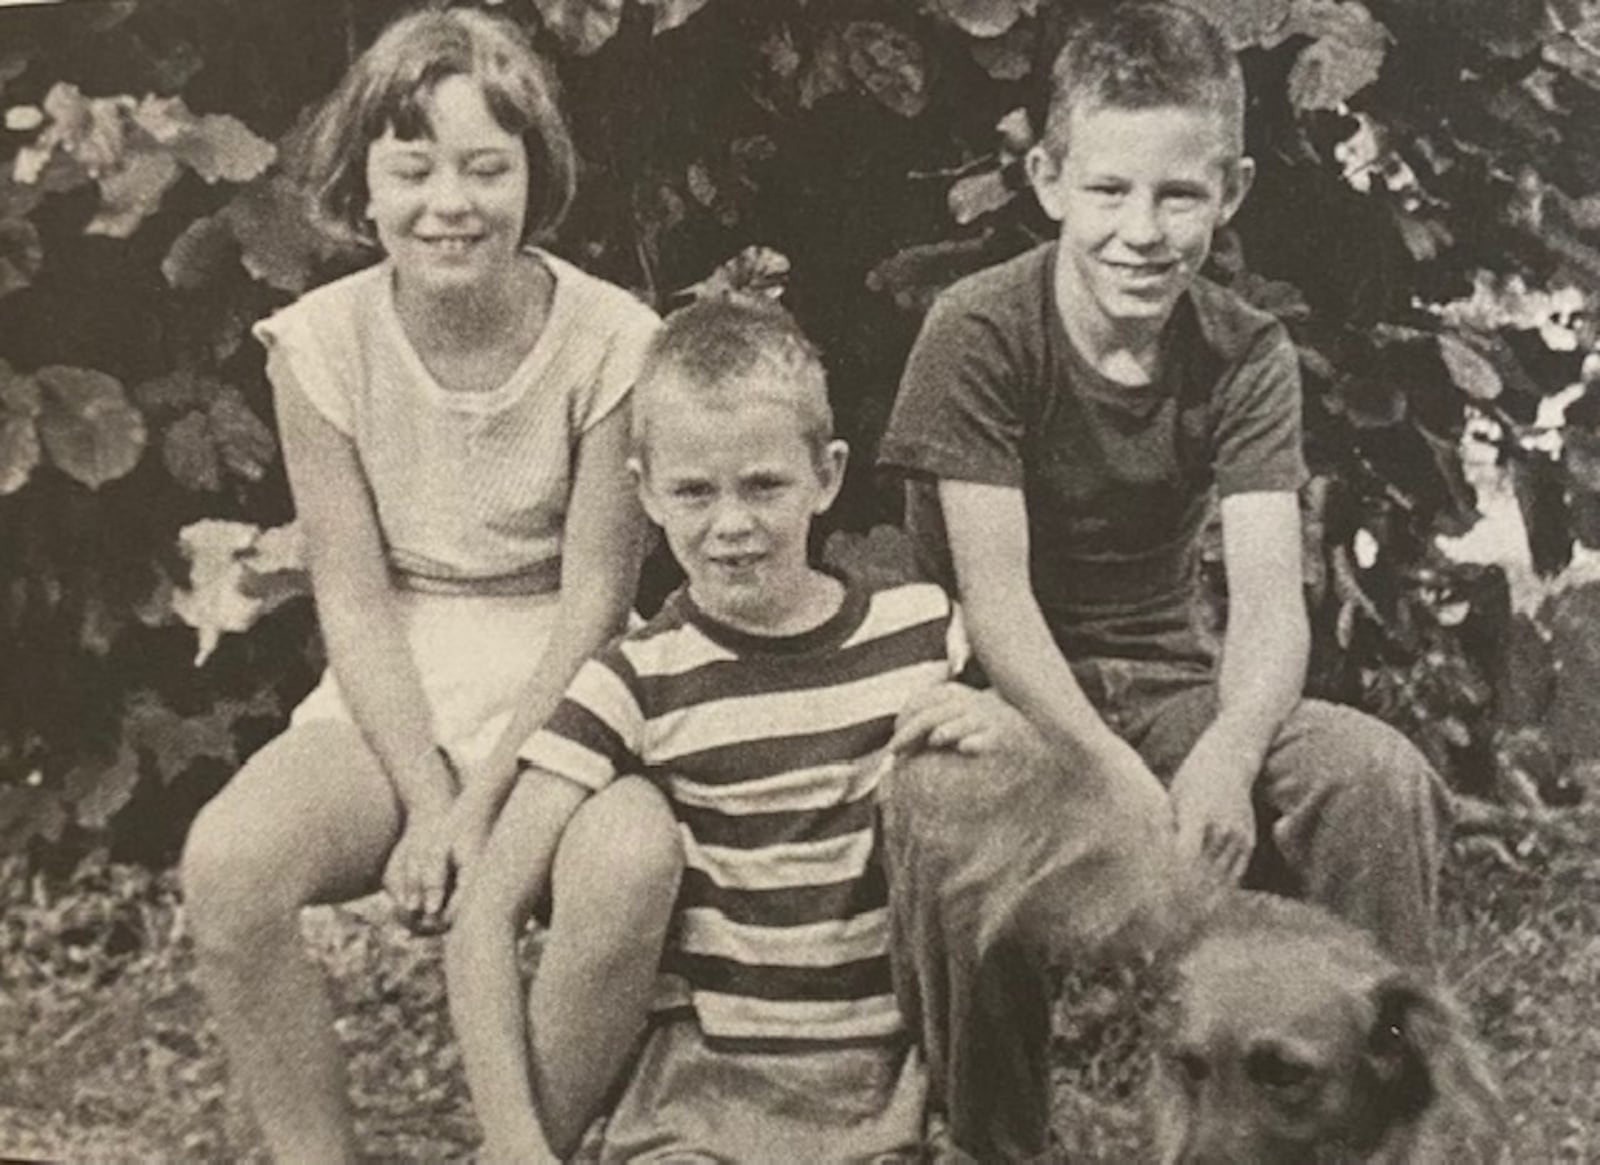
987, 527
1263, 672
487, 1001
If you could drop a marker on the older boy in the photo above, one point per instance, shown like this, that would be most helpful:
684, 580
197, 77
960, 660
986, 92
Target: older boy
1063, 420
760, 702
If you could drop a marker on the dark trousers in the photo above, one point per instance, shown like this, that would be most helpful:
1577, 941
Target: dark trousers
1003, 871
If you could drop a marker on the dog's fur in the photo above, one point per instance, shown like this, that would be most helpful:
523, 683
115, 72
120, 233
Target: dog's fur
1289, 1037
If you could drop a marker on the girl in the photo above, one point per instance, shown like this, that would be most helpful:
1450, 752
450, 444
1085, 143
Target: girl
454, 422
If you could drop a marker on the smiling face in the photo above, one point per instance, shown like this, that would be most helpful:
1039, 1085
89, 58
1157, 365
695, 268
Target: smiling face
449, 206
735, 490
1138, 195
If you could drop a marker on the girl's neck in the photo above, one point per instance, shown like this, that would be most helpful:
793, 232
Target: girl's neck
473, 318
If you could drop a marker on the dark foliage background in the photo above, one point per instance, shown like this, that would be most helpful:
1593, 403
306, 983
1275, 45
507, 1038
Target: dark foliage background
1427, 222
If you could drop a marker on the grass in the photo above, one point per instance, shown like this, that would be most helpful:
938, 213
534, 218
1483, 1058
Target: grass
106, 1052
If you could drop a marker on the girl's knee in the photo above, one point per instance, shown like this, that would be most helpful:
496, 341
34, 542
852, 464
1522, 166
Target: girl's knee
228, 887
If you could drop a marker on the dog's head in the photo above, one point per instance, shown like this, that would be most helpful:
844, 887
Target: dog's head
1290, 1038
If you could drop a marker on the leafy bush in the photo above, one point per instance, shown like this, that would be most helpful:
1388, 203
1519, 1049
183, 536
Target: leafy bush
1423, 222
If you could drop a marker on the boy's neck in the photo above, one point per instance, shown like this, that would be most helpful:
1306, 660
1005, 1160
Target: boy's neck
808, 604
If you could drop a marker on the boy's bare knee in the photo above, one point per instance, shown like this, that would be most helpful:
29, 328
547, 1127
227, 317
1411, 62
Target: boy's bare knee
621, 846
231, 890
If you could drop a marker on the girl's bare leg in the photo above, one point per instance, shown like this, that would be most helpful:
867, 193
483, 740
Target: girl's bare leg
311, 818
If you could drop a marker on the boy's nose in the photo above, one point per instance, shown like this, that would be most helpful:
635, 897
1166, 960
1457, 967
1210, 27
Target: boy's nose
1140, 223
731, 519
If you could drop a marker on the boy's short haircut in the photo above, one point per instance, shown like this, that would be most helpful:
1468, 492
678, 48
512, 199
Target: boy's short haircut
1147, 54
727, 351
386, 88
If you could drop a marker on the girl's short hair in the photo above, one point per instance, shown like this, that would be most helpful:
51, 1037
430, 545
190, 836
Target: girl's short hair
386, 88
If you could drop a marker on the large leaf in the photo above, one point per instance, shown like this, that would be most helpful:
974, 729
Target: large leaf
217, 147
174, 742
889, 63
1246, 23
245, 443
132, 192
89, 429
975, 195
1008, 57
98, 789
582, 25
672, 13
226, 591
19, 451
825, 73
190, 454
277, 245
984, 18
201, 254
1344, 58
90, 131
19, 436
1472, 372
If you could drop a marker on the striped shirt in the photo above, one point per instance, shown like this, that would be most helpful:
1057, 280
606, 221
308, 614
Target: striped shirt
770, 750
471, 488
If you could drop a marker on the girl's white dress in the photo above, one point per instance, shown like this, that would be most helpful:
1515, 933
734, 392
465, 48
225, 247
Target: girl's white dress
470, 489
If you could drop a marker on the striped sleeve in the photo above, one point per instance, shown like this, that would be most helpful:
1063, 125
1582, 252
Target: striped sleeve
593, 736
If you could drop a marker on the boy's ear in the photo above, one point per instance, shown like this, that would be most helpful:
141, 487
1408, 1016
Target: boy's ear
830, 469
1241, 176
1044, 175
636, 472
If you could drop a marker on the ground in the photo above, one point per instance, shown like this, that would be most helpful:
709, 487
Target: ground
106, 1052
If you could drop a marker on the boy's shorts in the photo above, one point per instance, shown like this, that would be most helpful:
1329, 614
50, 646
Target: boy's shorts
684, 1101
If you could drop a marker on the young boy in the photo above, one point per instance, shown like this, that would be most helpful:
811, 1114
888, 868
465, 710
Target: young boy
759, 702
1063, 420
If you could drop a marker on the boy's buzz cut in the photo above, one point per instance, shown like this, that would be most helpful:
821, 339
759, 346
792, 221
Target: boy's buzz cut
1148, 54
722, 352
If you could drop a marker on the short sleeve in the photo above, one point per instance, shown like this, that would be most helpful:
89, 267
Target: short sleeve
957, 414
298, 360
1258, 441
634, 325
594, 734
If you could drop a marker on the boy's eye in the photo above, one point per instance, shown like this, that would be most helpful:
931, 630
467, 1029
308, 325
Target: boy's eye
689, 491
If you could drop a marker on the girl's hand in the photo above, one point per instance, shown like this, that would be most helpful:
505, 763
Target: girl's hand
956, 717
420, 875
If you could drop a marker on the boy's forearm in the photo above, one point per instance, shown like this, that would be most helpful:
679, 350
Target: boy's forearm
1014, 644
487, 1001
490, 1018
1259, 685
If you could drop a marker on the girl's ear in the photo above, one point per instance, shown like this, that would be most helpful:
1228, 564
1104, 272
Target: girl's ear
830, 471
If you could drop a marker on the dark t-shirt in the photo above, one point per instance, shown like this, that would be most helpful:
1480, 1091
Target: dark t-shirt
1116, 479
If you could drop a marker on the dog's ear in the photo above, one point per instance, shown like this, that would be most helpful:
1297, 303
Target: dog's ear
1427, 1067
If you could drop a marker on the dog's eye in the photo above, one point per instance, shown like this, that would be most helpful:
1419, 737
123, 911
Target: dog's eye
1270, 1068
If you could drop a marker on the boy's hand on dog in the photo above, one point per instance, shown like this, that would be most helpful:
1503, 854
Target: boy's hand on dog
955, 717
1212, 807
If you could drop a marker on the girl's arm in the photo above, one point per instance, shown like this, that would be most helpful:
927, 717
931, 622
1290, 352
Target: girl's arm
366, 646
487, 1002
601, 548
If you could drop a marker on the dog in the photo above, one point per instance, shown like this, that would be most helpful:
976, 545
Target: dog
1288, 1037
